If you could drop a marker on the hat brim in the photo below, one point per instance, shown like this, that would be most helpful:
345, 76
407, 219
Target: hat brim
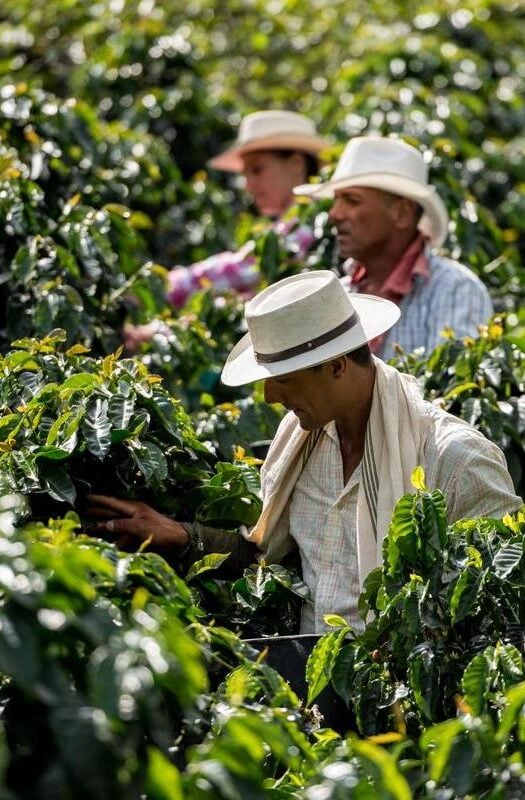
376, 316
434, 221
231, 159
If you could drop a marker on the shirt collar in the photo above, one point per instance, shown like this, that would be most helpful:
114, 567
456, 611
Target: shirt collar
412, 264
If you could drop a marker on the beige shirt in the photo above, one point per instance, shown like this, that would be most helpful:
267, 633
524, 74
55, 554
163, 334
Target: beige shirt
404, 431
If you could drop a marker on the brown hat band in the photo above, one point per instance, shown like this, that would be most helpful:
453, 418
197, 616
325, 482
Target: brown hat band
312, 344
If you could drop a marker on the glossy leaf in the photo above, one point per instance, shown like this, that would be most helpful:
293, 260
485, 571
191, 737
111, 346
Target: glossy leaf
321, 662
507, 559
209, 562
475, 683
96, 427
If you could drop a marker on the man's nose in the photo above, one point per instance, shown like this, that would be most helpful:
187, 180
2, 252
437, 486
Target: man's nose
334, 215
271, 391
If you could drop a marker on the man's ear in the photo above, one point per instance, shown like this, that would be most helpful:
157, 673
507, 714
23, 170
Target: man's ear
407, 213
338, 366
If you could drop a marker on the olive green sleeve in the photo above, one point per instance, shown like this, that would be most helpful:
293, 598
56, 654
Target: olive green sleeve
205, 540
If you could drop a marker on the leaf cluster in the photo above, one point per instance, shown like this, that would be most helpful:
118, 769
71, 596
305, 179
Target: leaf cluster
73, 424
440, 662
105, 656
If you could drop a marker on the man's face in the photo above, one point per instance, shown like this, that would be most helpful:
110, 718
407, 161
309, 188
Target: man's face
270, 179
364, 219
305, 392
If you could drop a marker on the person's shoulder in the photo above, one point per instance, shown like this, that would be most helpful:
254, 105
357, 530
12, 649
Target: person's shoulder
445, 267
451, 436
449, 266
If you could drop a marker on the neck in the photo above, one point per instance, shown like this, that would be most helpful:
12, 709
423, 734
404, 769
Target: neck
352, 422
380, 265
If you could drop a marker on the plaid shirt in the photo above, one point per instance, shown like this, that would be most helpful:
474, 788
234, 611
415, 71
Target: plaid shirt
321, 502
448, 295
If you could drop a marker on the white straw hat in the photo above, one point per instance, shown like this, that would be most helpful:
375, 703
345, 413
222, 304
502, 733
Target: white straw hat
394, 166
271, 130
302, 321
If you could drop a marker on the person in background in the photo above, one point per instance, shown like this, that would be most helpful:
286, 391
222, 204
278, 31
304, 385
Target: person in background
274, 151
343, 455
390, 222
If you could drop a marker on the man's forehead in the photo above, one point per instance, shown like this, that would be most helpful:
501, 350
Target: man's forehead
359, 191
289, 376
364, 192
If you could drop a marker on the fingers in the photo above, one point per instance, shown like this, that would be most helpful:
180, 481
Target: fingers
126, 527
122, 532
127, 507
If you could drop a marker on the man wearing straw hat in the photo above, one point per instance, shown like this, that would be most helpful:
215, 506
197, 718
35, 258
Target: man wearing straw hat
389, 221
342, 456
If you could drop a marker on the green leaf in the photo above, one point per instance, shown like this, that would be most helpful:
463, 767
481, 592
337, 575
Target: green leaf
438, 741
321, 662
475, 683
9, 425
388, 779
51, 453
63, 433
343, 672
79, 728
57, 482
151, 461
423, 674
507, 559
433, 528
20, 649
211, 561
511, 661
82, 380
269, 258
163, 781
402, 533
464, 600
514, 703
120, 410
462, 772
335, 621
96, 427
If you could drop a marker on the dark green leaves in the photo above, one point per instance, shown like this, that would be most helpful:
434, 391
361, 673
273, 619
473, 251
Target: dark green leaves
230, 496
508, 558
76, 423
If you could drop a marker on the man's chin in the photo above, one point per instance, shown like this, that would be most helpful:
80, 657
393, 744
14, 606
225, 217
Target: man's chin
305, 423
344, 247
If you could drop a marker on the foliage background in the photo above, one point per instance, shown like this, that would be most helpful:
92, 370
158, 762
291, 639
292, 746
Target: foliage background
451, 74
109, 112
